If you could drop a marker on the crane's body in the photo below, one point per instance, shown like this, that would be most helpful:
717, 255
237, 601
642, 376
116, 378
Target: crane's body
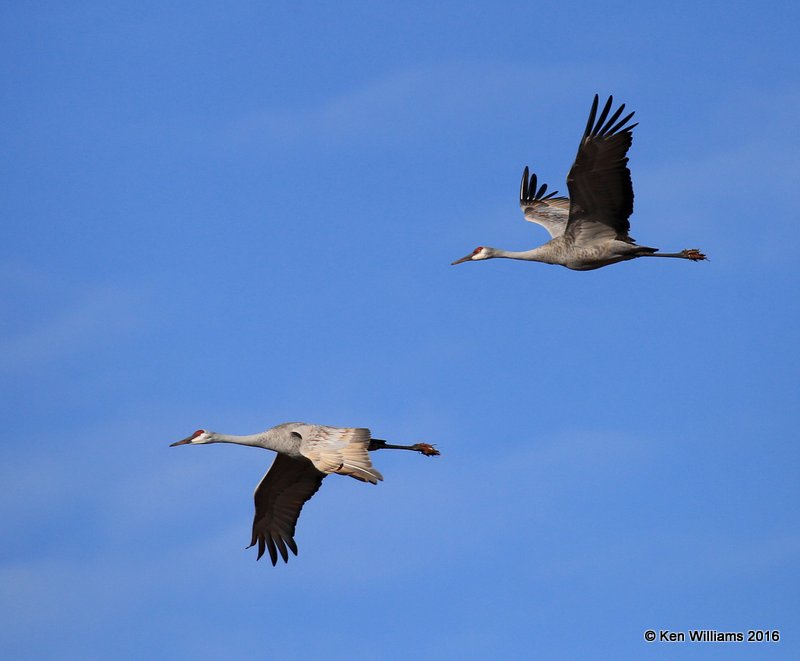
307, 453
589, 229
563, 251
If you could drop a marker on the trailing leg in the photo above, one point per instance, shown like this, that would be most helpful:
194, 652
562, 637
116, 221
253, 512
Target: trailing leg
690, 253
425, 448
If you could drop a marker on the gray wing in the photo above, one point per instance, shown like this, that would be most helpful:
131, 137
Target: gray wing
599, 182
279, 497
546, 210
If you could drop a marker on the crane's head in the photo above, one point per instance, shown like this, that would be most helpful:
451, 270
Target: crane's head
481, 252
198, 438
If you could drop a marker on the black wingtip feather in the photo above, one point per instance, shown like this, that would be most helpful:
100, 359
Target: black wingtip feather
261, 548
274, 545
523, 187
611, 121
599, 126
282, 548
601, 120
592, 114
620, 124
273, 552
529, 191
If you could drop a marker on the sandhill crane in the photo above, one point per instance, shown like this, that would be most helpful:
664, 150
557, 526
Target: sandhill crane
590, 229
306, 454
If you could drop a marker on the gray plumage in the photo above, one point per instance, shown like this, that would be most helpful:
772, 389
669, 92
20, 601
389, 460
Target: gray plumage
590, 228
306, 455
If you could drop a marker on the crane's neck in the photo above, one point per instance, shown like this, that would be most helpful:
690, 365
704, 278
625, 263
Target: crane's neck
253, 440
540, 254
278, 440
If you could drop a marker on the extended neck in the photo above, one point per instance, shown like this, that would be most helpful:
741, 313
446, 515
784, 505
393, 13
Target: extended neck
540, 254
253, 440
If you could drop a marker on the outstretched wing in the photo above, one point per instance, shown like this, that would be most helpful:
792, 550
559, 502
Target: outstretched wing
279, 497
599, 182
340, 450
549, 211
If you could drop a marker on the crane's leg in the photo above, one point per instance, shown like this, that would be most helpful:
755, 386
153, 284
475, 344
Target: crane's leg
425, 448
690, 253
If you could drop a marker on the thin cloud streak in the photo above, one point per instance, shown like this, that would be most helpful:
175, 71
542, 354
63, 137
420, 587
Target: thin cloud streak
97, 314
389, 109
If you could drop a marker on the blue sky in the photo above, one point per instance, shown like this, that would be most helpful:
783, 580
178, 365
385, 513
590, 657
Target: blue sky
230, 215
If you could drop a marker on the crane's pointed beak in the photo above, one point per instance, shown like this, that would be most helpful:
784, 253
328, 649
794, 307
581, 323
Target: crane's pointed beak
462, 260
185, 441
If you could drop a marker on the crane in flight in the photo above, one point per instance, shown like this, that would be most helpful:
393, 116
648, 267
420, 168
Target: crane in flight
306, 455
590, 228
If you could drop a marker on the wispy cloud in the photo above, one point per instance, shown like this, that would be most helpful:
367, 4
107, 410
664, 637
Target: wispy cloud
62, 322
407, 101
731, 185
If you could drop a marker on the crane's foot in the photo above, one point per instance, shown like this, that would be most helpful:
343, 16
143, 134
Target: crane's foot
425, 448
694, 254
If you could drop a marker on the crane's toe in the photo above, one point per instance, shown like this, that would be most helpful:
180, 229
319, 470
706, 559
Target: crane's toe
426, 448
694, 254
